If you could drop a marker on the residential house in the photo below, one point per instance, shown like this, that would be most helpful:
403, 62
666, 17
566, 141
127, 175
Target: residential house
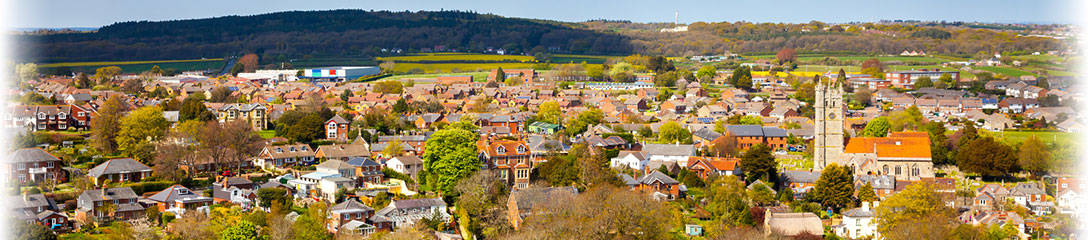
119, 170
178, 199
255, 114
658, 184
29, 165
405, 213
408, 165
522, 203
343, 152
284, 155
511, 158
631, 159
108, 203
38, 209
669, 153
858, 223
791, 224
351, 217
751, 135
336, 129
706, 167
799, 181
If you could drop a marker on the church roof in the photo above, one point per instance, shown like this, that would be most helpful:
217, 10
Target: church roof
896, 145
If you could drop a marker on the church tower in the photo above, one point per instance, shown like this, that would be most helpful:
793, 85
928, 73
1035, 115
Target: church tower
828, 146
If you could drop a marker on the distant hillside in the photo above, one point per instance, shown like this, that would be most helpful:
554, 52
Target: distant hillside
335, 33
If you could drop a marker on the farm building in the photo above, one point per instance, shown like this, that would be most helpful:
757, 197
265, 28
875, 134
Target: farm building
340, 73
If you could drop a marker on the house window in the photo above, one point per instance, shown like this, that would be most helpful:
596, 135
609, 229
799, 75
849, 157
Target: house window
41, 115
81, 114
885, 169
22, 166
61, 116
521, 149
898, 170
501, 150
62, 126
49, 164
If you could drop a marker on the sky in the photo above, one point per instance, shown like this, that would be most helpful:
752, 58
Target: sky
97, 13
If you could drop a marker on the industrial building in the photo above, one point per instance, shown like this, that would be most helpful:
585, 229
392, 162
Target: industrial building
340, 73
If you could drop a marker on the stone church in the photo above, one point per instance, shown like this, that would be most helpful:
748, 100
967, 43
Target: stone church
828, 145
904, 155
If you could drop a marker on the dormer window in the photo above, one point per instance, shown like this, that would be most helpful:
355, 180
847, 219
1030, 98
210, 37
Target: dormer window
279, 150
61, 116
292, 149
521, 149
182, 191
500, 150
41, 115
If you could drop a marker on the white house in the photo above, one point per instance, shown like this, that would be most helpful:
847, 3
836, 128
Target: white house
858, 223
669, 153
408, 165
631, 159
1068, 201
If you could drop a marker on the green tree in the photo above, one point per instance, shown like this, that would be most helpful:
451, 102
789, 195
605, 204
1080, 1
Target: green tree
760, 194
27, 72
193, 108
513, 81
307, 129
269, 196
866, 193
243, 230
106, 124
106, 75
394, 149
389, 87
986, 157
759, 164
742, 78
139, 130
451, 156
33, 231
923, 82
706, 73
401, 106
725, 200
941, 153
549, 112
156, 70
582, 122
863, 96
672, 132
500, 75
947, 80
909, 119
311, 225
1034, 156
835, 187
873, 68
901, 211
878, 127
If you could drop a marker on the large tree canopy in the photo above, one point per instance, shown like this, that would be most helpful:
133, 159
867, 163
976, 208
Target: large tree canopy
450, 156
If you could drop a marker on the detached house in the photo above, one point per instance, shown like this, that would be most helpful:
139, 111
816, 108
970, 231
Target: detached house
109, 203
38, 209
404, 213
351, 216
255, 114
511, 158
119, 170
336, 129
284, 155
705, 167
657, 183
178, 199
34, 165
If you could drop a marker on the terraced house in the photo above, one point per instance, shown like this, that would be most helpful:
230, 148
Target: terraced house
50, 117
254, 113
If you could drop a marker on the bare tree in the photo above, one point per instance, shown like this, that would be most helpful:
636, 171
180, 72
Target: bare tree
242, 141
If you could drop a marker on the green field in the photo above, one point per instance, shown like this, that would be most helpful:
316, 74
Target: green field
571, 58
858, 58
456, 67
135, 66
1007, 71
455, 57
1015, 137
476, 76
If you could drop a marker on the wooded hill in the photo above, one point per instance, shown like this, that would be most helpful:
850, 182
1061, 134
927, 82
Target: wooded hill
281, 36
334, 33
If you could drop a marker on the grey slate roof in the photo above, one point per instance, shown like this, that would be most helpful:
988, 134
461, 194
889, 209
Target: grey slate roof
119, 165
745, 130
706, 133
628, 180
800, 176
859, 212
657, 176
27, 155
350, 206
669, 149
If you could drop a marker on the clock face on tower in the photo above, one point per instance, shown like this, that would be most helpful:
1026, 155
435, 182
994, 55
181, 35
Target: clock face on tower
831, 116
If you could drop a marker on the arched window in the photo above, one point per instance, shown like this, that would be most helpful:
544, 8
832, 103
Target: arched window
521, 149
500, 150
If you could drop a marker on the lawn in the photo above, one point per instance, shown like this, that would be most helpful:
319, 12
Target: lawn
1015, 137
266, 134
455, 57
1007, 71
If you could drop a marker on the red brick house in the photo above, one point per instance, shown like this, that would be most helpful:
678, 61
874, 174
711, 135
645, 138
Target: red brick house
707, 166
336, 129
511, 158
34, 165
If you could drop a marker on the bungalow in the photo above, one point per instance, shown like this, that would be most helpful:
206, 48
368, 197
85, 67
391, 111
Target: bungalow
675, 153
705, 167
660, 185
178, 199
343, 152
119, 170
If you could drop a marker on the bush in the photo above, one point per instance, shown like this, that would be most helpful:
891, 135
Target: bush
145, 187
70, 205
